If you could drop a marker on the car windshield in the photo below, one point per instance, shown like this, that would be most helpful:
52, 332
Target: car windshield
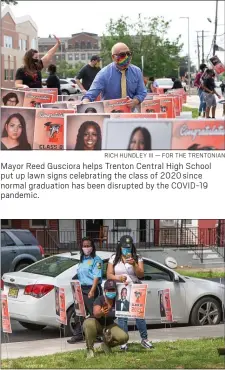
52, 266
164, 82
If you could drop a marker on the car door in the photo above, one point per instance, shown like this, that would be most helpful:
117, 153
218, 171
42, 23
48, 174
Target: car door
157, 277
9, 252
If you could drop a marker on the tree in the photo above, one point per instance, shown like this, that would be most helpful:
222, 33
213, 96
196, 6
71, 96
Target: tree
147, 37
66, 70
183, 65
9, 2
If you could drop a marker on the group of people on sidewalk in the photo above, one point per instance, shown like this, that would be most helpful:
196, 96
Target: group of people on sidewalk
205, 83
125, 266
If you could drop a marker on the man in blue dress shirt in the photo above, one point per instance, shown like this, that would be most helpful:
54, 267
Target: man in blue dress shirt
120, 79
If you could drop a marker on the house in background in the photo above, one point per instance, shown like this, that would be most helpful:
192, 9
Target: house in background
75, 49
62, 235
18, 35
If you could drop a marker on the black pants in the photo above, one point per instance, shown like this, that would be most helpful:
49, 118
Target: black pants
88, 302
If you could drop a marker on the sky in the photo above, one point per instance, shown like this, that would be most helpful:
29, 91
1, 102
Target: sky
64, 18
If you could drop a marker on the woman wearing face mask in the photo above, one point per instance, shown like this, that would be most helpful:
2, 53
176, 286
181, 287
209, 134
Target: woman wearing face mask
127, 267
29, 76
89, 274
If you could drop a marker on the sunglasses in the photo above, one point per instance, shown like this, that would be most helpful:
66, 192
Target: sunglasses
123, 55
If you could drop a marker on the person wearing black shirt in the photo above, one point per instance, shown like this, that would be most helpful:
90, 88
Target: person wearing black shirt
210, 92
88, 73
103, 322
29, 76
177, 83
53, 80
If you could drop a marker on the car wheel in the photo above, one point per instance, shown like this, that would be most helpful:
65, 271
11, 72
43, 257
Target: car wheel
30, 326
72, 319
206, 311
21, 266
65, 92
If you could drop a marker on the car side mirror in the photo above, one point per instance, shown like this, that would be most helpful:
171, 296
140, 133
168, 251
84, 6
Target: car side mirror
176, 278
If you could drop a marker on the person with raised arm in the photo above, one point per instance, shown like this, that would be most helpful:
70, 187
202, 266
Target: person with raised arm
29, 75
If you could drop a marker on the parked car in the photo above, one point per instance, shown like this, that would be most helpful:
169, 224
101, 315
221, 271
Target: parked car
31, 294
165, 83
66, 85
72, 80
19, 249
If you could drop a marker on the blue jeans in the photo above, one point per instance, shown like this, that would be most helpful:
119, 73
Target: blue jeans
202, 106
140, 323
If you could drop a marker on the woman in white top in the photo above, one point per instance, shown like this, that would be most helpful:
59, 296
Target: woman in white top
127, 267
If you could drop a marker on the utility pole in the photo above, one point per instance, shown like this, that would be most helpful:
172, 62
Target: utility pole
189, 57
203, 56
215, 32
198, 46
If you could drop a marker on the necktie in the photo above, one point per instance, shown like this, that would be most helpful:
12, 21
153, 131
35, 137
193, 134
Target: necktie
123, 84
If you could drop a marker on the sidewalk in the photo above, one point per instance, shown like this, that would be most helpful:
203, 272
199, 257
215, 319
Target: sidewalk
52, 346
193, 102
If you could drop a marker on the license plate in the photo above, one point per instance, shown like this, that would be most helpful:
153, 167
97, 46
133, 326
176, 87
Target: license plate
13, 292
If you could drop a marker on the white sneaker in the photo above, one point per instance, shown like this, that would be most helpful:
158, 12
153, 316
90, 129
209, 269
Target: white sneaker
146, 344
124, 347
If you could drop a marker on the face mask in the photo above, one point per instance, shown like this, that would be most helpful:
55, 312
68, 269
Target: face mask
123, 62
110, 295
87, 251
35, 60
126, 251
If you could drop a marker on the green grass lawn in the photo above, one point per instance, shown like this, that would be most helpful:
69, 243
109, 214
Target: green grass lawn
193, 110
186, 354
201, 274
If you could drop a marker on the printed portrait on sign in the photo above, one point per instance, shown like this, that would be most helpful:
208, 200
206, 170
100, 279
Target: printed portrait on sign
137, 134
123, 298
54, 106
12, 98
199, 135
72, 97
218, 66
17, 128
91, 108
84, 131
165, 305
57, 308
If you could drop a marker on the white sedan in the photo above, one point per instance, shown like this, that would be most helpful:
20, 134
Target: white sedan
32, 300
164, 83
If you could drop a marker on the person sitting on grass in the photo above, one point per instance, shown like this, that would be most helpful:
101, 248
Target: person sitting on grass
102, 322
